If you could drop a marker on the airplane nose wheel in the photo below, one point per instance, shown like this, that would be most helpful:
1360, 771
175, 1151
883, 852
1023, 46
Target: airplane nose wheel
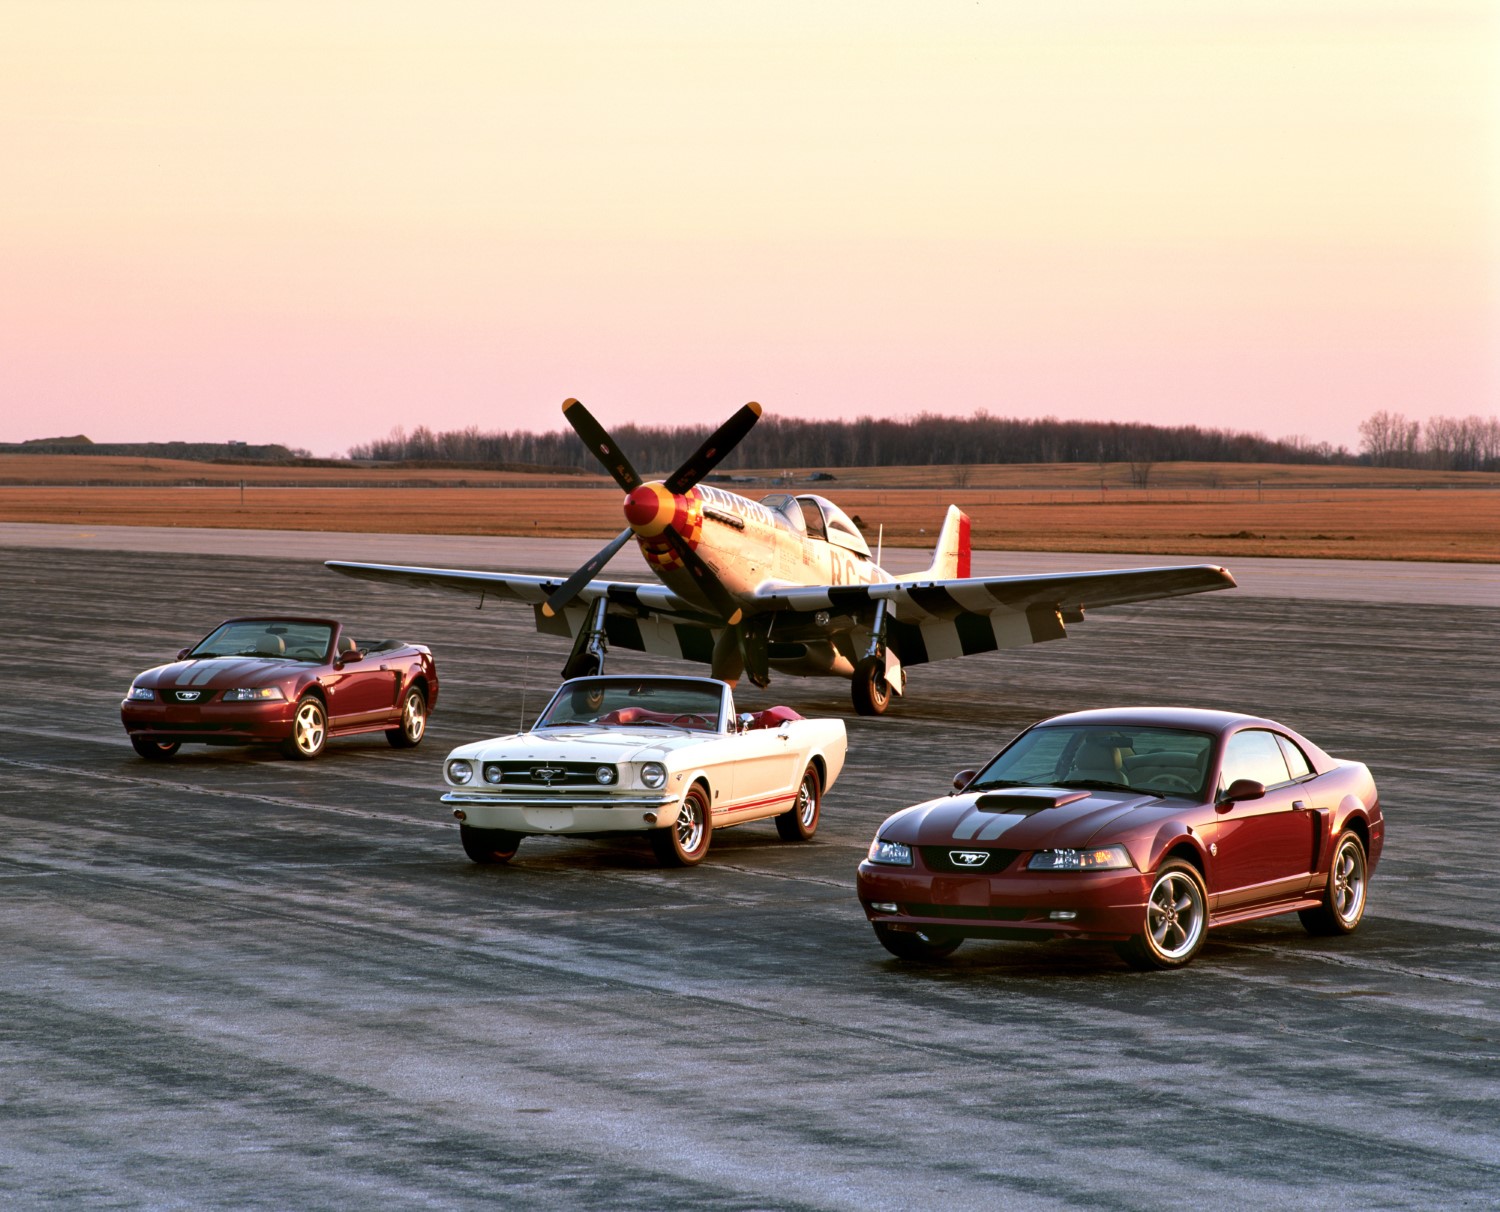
871, 692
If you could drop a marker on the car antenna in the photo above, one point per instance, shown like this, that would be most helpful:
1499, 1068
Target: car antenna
879, 542
525, 677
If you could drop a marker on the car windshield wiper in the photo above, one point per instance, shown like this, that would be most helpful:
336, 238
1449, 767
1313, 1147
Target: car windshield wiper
992, 784
1098, 784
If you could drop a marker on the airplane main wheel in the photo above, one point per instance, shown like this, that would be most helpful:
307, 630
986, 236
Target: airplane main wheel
871, 692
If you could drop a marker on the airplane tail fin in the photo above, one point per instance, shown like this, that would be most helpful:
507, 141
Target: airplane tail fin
951, 558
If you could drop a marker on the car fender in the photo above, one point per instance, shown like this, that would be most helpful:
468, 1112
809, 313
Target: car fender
1174, 835
698, 774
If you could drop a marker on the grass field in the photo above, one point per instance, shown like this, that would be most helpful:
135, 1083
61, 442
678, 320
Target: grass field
1190, 509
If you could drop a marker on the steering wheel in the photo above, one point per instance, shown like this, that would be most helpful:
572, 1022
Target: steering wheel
688, 720
306, 654
1175, 782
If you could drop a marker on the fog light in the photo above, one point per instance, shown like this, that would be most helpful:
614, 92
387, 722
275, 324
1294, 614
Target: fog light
461, 814
885, 906
1062, 915
649, 817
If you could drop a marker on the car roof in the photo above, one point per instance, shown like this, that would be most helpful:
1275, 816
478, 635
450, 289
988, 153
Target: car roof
1198, 719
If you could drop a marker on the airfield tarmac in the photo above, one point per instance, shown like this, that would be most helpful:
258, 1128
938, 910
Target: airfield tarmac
236, 981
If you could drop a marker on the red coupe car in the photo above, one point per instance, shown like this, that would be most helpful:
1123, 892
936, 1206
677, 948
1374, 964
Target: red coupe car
293, 682
1142, 826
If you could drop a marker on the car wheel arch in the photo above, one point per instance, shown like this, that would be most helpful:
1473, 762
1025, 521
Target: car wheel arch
1184, 846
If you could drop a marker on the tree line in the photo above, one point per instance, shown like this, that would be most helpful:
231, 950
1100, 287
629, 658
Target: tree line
1390, 439
925, 439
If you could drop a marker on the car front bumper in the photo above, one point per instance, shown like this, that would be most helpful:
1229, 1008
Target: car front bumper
575, 814
210, 723
1035, 905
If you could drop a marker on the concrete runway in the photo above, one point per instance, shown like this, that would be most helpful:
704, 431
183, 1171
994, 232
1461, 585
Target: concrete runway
235, 981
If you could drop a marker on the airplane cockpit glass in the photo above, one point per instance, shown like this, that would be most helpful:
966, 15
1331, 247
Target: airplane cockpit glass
786, 510
812, 517
834, 524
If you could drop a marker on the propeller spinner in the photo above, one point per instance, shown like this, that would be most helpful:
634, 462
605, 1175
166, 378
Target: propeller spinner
651, 506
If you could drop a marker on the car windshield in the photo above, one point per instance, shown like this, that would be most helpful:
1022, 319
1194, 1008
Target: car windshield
1159, 761
635, 702
288, 638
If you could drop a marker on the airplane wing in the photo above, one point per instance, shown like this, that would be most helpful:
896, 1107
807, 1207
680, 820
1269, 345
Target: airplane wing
935, 620
644, 617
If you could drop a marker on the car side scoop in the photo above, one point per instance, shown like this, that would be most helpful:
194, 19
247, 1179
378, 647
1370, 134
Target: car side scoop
1026, 801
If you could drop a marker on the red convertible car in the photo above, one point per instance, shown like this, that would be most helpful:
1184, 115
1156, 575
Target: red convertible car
1142, 826
292, 682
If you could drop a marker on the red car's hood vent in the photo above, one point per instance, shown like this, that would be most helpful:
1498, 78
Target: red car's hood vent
1025, 801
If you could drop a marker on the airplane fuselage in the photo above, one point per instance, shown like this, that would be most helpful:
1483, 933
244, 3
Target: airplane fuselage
750, 544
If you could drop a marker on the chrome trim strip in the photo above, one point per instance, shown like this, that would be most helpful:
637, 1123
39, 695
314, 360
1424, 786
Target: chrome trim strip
502, 800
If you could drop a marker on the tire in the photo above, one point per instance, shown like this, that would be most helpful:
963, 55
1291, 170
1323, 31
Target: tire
155, 751
923, 946
489, 846
1175, 920
871, 692
413, 726
309, 730
685, 841
1344, 897
799, 822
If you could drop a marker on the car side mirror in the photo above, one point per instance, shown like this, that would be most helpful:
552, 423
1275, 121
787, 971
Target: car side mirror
1241, 790
182, 652
744, 720
343, 658
963, 778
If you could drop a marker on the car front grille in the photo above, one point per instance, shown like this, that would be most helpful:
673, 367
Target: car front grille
551, 774
195, 697
939, 858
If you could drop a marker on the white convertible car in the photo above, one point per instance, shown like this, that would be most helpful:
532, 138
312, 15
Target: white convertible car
664, 756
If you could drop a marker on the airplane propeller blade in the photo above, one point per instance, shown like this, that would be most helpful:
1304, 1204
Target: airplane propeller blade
708, 456
570, 588
708, 580
601, 445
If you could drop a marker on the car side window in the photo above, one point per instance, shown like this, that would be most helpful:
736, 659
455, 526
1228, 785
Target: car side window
1254, 754
1296, 760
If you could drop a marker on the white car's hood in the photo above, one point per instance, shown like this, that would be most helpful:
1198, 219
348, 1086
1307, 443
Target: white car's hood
583, 744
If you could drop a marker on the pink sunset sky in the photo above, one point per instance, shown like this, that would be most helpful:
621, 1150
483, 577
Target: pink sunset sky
310, 222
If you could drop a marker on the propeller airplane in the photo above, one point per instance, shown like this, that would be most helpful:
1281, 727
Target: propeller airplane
786, 584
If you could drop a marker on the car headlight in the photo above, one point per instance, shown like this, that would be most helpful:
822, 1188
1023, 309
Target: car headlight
893, 854
494, 772
654, 775
253, 694
1106, 858
140, 694
460, 771
607, 774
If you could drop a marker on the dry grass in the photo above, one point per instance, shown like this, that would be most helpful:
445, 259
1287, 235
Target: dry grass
1442, 523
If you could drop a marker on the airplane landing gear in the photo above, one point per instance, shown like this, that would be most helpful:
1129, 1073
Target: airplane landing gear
871, 692
878, 675
587, 657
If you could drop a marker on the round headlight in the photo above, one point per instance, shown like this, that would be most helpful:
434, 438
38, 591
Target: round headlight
494, 772
460, 771
605, 774
654, 775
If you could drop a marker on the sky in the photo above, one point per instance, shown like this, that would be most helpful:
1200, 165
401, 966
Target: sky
309, 221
